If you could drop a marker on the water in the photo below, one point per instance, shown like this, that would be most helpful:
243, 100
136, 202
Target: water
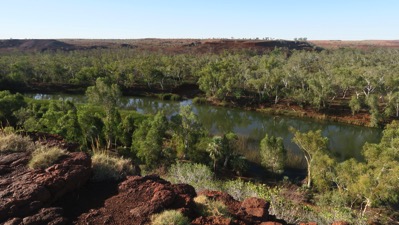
344, 140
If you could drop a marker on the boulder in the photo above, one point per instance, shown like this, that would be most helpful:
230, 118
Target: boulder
23, 192
140, 197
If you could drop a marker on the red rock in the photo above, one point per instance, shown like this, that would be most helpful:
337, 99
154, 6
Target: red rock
212, 220
232, 204
23, 191
255, 207
270, 223
139, 198
340, 223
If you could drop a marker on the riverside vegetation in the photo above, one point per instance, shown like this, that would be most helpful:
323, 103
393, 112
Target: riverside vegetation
353, 190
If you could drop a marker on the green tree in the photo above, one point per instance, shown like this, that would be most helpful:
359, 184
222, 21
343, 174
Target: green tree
312, 145
9, 103
107, 95
273, 154
148, 141
215, 150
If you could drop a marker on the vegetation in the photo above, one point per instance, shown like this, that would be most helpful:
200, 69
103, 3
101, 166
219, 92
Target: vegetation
273, 154
208, 207
350, 80
320, 80
168, 217
107, 167
10, 141
45, 156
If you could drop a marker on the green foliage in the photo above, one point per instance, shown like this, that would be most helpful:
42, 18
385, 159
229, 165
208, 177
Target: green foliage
169, 217
313, 146
372, 102
9, 103
208, 207
197, 175
148, 141
108, 167
273, 154
45, 156
355, 104
10, 141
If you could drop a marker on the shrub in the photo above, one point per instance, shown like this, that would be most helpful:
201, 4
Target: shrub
199, 100
45, 156
107, 167
197, 175
175, 97
10, 141
169, 217
208, 207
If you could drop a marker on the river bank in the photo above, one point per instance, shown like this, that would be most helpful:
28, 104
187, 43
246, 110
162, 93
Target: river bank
336, 112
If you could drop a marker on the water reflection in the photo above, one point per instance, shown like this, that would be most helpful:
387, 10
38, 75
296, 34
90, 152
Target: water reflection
345, 140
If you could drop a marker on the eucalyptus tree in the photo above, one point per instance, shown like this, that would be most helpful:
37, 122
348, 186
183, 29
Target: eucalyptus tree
313, 145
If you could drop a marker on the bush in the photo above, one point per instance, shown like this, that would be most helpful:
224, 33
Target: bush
199, 100
45, 156
197, 175
208, 207
169, 217
107, 167
9, 141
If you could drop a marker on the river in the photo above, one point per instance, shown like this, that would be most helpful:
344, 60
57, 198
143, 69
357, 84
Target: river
345, 140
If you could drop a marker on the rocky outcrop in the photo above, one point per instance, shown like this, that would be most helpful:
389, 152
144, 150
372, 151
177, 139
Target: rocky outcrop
138, 198
25, 193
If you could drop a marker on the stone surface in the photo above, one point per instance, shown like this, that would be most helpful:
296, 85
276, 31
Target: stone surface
23, 192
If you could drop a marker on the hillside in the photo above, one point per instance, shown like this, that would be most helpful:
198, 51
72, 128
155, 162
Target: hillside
152, 45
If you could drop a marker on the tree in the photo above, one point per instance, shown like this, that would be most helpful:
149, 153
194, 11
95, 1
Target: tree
273, 154
188, 131
215, 150
312, 144
148, 140
374, 181
9, 103
107, 95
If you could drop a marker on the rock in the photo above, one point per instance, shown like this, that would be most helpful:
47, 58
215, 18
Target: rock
340, 223
255, 207
232, 204
140, 197
51, 216
212, 220
23, 192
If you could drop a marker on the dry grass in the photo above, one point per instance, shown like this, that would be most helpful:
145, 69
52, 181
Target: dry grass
208, 207
45, 156
107, 167
10, 141
169, 217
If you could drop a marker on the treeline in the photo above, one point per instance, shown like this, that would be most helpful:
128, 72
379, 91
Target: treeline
355, 79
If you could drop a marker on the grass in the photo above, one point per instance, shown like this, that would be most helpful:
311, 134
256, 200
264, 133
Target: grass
10, 141
169, 217
45, 156
107, 167
208, 207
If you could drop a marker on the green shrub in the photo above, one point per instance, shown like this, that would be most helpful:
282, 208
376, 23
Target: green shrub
208, 207
197, 175
169, 217
45, 156
199, 100
175, 97
9, 141
107, 167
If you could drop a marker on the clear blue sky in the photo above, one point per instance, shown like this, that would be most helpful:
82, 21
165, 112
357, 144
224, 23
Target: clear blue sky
124, 19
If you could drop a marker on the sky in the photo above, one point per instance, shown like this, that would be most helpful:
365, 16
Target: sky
130, 19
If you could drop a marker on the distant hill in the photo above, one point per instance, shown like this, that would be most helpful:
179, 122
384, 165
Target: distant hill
184, 45
164, 45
